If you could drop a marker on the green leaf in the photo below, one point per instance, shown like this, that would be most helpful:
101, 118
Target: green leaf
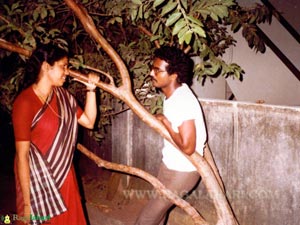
173, 18
44, 13
140, 12
168, 8
157, 3
212, 70
184, 4
138, 2
7, 9
187, 37
229, 3
40, 29
199, 31
14, 6
214, 16
133, 14
195, 20
54, 31
155, 26
119, 19
146, 15
235, 26
52, 13
178, 26
221, 11
252, 19
154, 37
204, 13
181, 34
35, 15
3, 28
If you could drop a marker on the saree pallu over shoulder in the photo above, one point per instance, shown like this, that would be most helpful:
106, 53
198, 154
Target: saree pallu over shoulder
48, 172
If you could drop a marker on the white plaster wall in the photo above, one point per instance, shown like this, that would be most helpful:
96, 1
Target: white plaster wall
266, 77
287, 44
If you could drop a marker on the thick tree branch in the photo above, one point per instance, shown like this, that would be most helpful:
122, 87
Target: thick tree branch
111, 80
148, 177
91, 29
13, 48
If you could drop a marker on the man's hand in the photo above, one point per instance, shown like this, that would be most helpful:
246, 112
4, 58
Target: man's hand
162, 118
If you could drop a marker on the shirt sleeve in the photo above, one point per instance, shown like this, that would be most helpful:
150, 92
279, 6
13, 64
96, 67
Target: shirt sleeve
185, 111
79, 112
22, 116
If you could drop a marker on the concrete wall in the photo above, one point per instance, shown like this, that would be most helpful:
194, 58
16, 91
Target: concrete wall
266, 77
289, 9
256, 148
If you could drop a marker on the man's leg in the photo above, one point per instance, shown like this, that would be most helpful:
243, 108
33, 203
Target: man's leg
180, 183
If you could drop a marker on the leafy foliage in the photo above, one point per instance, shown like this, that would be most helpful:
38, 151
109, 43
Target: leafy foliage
131, 27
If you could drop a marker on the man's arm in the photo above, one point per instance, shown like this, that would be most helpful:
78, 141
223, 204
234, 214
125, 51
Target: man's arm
186, 138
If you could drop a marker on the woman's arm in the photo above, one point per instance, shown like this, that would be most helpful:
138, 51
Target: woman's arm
22, 161
88, 118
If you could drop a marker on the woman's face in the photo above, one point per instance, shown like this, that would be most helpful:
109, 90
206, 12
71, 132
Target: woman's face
58, 72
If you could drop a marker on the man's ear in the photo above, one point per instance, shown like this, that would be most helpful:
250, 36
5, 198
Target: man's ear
174, 76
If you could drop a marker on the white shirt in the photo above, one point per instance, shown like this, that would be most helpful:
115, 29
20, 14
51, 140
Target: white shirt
183, 105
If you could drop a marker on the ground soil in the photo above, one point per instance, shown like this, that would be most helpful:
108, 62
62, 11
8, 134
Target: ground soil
107, 205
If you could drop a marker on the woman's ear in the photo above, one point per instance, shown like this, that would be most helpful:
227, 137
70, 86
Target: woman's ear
45, 66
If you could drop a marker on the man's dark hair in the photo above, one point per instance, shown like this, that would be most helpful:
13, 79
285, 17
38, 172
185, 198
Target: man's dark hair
178, 62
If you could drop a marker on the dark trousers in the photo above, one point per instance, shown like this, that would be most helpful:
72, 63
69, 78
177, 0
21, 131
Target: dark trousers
154, 213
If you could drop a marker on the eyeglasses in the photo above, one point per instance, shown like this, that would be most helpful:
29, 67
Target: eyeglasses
157, 70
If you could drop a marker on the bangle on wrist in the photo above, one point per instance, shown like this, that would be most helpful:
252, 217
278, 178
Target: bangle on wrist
90, 90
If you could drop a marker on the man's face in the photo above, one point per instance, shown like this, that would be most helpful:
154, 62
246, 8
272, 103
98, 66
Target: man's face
160, 77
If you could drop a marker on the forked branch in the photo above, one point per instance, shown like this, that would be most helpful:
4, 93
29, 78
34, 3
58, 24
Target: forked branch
148, 177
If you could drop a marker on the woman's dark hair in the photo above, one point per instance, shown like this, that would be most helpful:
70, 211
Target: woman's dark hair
178, 62
49, 53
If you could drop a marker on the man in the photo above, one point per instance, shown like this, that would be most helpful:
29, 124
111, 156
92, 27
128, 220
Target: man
172, 73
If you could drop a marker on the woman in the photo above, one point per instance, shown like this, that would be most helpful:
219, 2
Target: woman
45, 120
